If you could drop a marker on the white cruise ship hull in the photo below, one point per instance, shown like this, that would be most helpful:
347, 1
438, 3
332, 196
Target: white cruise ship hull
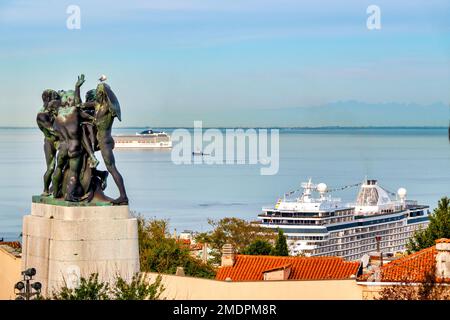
351, 240
143, 141
143, 145
326, 227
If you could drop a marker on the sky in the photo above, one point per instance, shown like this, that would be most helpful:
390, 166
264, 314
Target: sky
171, 62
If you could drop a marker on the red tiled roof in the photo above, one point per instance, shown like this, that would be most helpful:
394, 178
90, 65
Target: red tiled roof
12, 244
251, 268
184, 242
285, 266
197, 246
411, 268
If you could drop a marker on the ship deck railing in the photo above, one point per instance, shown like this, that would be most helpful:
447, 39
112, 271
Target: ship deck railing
292, 215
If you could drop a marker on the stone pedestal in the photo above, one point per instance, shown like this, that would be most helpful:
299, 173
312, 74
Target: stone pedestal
63, 242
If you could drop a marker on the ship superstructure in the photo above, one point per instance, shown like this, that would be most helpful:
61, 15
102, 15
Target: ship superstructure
325, 226
144, 140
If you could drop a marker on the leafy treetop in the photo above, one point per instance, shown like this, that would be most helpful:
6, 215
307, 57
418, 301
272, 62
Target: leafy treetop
439, 227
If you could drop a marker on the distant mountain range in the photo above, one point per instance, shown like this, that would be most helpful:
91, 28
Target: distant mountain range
356, 114
336, 114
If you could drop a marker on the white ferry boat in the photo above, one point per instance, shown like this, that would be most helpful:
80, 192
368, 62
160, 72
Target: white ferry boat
324, 226
147, 139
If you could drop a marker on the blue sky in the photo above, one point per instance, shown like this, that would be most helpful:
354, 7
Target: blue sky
174, 61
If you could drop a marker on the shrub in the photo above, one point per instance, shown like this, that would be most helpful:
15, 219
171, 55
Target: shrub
93, 289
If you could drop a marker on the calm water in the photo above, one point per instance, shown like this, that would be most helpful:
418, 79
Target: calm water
187, 195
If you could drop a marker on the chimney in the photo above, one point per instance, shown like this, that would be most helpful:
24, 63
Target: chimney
280, 273
443, 258
205, 253
227, 255
180, 272
378, 239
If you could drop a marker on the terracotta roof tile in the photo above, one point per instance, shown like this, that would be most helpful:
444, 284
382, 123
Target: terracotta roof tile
285, 266
251, 268
184, 242
197, 246
12, 244
411, 268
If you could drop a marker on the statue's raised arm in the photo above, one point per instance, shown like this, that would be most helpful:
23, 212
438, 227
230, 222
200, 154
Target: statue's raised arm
78, 85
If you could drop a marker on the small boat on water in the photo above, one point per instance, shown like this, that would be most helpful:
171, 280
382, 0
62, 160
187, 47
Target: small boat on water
147, 139
199, 153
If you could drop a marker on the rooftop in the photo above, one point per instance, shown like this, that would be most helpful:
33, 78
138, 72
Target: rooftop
252, 268
12, 247
411, 268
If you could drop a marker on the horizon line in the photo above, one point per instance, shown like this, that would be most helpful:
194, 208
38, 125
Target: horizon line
258, 127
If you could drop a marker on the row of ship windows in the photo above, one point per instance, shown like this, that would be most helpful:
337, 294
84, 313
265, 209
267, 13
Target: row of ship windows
330, 214
370, 241
336, 220
316, 238
136, 141
363, 232
328, 221
355, 241
368, 238
390, 234
358, 255
395, 242
416, 213
339, 213
349, 250
309, 214
367, 229
386, 238
308, 222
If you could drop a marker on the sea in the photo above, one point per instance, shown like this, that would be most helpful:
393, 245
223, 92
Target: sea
188, 195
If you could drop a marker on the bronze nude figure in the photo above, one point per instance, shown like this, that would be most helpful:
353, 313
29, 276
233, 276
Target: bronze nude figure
107, 107
44, 119
73, 131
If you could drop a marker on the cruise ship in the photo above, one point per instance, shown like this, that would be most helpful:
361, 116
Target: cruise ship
147, 139
316, 224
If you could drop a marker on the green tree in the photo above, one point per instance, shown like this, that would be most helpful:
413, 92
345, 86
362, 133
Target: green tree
158, 252
281, 247
138, 289
439, 227
89, 289
258, 247
93, 289
237, 232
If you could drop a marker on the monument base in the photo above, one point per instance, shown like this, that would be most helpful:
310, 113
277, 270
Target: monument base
64, 243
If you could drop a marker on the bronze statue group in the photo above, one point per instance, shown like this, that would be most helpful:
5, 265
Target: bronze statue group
73, 131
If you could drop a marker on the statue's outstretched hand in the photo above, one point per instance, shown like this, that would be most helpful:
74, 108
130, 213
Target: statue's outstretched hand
80, 80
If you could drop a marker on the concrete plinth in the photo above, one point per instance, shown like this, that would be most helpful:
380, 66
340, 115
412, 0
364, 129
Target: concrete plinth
64, 243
